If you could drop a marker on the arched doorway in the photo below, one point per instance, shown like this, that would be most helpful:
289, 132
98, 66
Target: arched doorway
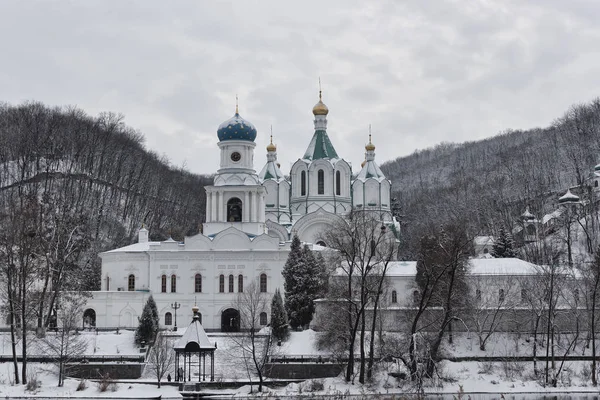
230, 320
89, 318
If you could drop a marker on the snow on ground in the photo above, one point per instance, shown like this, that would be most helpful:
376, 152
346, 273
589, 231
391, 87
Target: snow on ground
230, 365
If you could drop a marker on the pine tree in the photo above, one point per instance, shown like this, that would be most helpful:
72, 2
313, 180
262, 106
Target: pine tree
148, 326
303, 275
279, 321
504, 245
292, 271
154, 310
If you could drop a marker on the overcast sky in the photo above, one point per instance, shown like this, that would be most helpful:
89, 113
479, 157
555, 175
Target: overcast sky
420, 72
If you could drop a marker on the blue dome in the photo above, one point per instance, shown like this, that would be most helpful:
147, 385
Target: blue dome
236, 128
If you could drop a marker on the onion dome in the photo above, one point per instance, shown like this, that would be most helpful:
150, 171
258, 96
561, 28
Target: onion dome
370, 146
271, 146
568, 198
236, 128
320, 108
195, 309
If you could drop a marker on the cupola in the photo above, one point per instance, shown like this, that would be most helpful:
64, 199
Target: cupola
236, 128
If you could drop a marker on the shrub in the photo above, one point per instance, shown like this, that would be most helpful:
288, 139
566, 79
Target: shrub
105, 383
82, 385
33, 383
486, 367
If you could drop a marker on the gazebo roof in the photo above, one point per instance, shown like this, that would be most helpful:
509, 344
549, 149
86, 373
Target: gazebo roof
194, 339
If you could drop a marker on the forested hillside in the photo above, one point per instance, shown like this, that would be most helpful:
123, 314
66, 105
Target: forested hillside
72, 185
490, 182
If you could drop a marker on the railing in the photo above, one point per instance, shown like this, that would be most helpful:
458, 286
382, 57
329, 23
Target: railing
83, 359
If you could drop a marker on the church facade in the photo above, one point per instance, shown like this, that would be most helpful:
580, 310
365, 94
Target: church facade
250, 220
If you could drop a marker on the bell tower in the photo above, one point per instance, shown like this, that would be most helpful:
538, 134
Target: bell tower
236, 198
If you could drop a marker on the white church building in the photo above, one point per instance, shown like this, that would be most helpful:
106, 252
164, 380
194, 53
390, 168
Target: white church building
250, 220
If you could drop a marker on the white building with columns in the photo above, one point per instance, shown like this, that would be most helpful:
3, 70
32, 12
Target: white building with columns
250, 220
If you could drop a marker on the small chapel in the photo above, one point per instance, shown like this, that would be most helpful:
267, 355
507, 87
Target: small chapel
250, 221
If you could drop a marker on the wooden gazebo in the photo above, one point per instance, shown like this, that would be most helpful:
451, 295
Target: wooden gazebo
194, 343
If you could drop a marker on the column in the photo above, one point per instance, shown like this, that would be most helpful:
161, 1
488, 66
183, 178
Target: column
252, 207
246, 206
208, 207
220, 217
261, 207
213, 204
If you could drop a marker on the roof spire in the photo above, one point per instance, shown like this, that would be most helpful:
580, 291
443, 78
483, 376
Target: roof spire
370, 146
271, 146
237, 111
319, 88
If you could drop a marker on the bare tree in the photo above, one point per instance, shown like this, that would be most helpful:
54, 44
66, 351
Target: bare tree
494, 299
161, 357
365, 248
66, 344
253, 347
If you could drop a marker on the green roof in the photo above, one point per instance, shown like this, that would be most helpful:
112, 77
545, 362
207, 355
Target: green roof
320, 147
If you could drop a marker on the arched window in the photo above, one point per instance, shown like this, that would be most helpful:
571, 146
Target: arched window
596, 184
131, 283
485, 251
163, 284
478, 295
263, 318
221, 283
168, 319
338, 183
322, 243
199, 317
198, 283
394, 296
241, 283
173, 283
263, 283
416, 297
373, 248
320, 182
523, 295
230, 283
303, 183
501, 296
234, 210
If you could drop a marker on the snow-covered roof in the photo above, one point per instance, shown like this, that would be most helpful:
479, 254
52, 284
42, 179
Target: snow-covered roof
320, 147
136, 247
501, 266
370, 170
194, 334
477, 266
483, 240
552, 215
568, 197
270, 171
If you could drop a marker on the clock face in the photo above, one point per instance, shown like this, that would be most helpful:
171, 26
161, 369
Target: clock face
235, 156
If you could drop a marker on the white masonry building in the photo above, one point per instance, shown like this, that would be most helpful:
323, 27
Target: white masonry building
250, 220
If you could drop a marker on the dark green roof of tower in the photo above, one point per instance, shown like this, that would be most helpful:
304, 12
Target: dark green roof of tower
320, 147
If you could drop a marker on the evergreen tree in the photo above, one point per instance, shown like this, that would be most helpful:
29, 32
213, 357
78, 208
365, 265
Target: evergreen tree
504, 245
302, 284
279, 321
148, 324
154, 309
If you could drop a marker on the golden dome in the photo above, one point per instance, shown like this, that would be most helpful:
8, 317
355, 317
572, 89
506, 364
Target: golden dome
271, 146
320, 108
370, 146
362, 164
195, 309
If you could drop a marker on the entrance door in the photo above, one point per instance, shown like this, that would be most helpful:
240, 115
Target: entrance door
230, 320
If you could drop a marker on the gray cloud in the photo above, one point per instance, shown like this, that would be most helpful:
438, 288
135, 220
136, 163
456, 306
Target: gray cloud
420, 72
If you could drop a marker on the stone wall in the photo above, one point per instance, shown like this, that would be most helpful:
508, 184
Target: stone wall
96, 371
302, 370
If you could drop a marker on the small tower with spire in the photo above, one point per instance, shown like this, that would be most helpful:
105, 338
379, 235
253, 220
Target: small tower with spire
277, 188
371, 190
321, 180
